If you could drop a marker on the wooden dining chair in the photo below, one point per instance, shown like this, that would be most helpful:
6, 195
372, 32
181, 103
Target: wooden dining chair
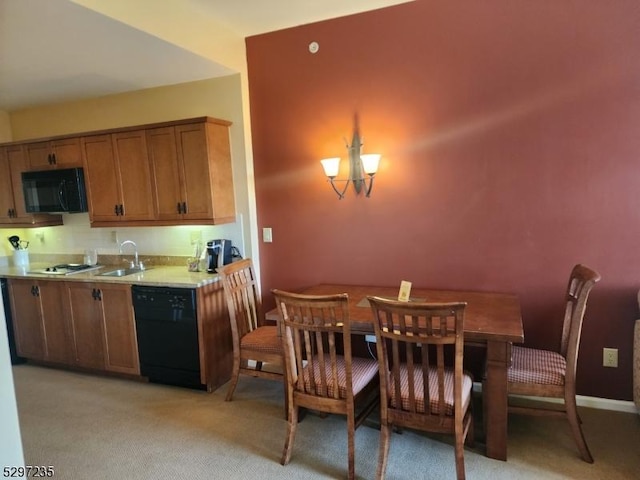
417, 389
252, 339
319, 376
544, 373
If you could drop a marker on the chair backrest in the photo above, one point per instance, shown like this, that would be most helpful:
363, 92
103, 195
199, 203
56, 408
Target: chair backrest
581, 282
416, 334
242, 296
314, 329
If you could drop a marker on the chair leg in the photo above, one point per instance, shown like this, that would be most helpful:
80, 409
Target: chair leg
292, 424
235, 373
459, 449
470, 438
351, 430
576, 429
383, 451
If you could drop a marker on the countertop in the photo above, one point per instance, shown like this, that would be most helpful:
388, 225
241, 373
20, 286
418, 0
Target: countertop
165, 276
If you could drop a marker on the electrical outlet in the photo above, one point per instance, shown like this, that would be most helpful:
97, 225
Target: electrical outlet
114, 236
610, 357
196, 237
370, 338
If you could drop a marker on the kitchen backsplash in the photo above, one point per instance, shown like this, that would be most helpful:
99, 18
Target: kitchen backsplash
76, 235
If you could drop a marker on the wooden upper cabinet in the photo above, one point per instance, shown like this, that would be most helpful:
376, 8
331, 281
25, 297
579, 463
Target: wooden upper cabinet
118, 178
130, 149
12, 208
169, 173
101, 177
192, 174
61, 153
167, 190
7, 204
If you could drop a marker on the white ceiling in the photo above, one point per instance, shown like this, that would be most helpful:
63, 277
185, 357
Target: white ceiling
56, 50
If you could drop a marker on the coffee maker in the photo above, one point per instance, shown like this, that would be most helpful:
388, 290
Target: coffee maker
218, 254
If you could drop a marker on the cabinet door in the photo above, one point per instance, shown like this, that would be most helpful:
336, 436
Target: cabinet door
67, 152
119, 328
27, 320
39, 156
6, 189
161, 143
195, 172
62, 153
101, 176
57, 331
130, 150
220, 173
86, 318
17, 165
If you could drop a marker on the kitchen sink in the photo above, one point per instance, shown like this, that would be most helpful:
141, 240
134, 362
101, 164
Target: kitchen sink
121, 272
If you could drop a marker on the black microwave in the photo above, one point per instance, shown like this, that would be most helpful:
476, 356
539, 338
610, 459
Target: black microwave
54, 191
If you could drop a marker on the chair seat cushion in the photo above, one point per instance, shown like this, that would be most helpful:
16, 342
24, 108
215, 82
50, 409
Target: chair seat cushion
434, 406
363, 370
530, 365
263, 339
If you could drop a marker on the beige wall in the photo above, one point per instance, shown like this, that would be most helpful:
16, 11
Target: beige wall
5, 127
220, 98
194, 29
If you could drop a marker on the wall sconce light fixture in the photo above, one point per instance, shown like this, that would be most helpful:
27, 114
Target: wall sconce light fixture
359, 166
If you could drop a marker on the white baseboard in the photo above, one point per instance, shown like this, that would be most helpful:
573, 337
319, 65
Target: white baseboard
585, 401
606, 404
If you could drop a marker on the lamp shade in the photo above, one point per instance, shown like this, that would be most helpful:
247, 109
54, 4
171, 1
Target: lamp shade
331, 166
370, 163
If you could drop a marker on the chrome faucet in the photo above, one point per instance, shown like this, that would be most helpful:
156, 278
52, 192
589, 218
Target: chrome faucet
135, 263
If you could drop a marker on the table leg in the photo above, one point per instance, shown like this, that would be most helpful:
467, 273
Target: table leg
495, 399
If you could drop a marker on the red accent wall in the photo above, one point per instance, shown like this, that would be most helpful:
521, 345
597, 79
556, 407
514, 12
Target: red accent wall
510, 135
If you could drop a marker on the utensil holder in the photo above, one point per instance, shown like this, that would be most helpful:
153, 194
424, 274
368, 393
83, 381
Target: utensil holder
20, 258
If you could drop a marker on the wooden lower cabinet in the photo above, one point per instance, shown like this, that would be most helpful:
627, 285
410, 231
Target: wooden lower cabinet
214, 336
40, 321
57, 330
92, 325
119, 329
103, 326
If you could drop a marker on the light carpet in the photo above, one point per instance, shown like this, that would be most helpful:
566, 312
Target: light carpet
95, 427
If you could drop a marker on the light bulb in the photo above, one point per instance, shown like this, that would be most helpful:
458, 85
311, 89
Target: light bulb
370, 163
331, 166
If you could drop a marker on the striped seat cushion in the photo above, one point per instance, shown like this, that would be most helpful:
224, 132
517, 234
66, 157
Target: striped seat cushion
363, 370
467, 383
530, 365
263, 339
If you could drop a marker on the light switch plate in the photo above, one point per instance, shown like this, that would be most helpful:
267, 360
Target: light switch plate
267, 235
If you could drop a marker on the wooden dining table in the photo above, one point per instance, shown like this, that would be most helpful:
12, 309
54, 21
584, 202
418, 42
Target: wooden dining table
492, 321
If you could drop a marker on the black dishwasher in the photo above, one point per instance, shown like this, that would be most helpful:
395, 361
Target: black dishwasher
167, 329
